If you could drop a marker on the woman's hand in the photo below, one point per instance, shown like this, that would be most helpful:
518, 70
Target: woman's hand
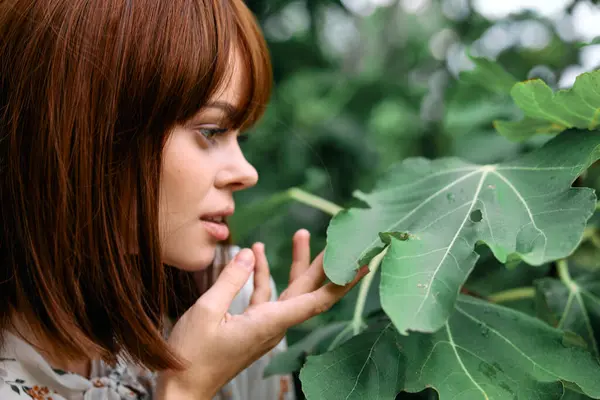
218, 345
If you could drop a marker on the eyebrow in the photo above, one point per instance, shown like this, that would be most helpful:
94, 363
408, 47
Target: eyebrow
230, 110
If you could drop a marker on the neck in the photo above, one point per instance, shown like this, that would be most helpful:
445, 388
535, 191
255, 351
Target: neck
21, 329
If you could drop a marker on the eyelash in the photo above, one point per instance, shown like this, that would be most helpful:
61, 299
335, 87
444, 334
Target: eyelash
210, 133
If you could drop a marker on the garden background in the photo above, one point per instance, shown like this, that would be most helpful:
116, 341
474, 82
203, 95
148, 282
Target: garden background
363, 84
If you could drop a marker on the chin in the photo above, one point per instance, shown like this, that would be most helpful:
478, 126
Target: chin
199, 261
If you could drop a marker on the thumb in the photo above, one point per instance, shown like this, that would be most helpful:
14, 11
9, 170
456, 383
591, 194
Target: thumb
230, 281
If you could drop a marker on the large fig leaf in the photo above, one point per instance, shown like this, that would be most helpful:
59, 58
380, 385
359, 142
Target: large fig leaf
484, 351
548, 112
574, 307
443, 208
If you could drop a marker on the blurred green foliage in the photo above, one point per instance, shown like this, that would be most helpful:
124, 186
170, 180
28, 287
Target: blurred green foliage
356, 91
346, 107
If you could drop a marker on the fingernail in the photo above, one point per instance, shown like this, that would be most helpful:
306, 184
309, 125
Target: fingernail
304, 232
245, 258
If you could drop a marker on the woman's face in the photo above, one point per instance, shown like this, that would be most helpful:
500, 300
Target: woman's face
202, 166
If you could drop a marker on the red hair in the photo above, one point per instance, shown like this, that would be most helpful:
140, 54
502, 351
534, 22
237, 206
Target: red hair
89, 91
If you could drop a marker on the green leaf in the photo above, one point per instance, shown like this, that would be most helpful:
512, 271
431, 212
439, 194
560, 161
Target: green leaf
574, 395
575, 307
255, 214
373, 368
468, 111
484, 147
521, 130
490, 75
538, 100
549, 112
485, 352
293, 358
447, 206
490, 276
592, 42
258, 212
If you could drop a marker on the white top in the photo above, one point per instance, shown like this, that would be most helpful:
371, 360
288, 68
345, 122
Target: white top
25, 375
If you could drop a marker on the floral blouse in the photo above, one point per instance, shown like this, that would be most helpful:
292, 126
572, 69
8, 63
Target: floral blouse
24, 374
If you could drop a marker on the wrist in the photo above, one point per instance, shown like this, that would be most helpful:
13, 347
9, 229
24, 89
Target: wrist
170, 387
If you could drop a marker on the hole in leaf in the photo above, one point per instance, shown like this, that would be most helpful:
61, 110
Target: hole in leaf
476, 216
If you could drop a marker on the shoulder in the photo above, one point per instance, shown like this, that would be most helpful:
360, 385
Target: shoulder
15, 384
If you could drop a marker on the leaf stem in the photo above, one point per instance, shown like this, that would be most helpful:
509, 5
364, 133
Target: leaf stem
514, 294
314, 201
591, 234
564, 275
595, 240
340, 337
358, 323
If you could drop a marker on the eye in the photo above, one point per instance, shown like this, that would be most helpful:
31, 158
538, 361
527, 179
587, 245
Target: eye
210, 133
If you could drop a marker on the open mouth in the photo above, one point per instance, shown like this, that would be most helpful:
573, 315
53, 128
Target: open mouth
216, 219
216, 227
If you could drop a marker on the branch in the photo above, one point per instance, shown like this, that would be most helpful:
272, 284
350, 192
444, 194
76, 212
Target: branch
565, 276
357, 321
314, 201
512, 295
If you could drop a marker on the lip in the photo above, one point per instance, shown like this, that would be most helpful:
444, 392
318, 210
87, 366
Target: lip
225, 212
218, 230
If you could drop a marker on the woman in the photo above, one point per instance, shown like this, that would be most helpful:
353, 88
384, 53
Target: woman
119, 157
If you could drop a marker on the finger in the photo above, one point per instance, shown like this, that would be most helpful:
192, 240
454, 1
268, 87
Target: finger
262, 276
218, 298
300, 253
311, 280
296, 310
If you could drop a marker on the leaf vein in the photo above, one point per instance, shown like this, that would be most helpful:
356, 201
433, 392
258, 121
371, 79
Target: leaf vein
462, 365
568, 305
530, 214
419, 255
417, 208
459, 309
477, 191
520, 168
588, 323
445, 215
369, 357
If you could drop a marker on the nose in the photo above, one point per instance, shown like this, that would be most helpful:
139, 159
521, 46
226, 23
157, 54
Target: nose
237, 173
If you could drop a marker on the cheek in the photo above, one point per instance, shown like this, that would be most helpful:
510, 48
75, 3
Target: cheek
186, 179
184, 190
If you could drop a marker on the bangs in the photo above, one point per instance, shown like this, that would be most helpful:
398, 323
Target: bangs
257, 68
235, 31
